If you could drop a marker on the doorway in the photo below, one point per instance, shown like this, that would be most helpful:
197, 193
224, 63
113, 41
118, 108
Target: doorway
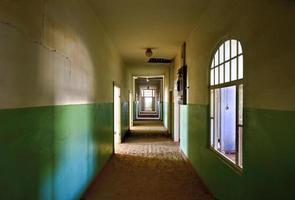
117, 116
176, 115
130, 109
148, 97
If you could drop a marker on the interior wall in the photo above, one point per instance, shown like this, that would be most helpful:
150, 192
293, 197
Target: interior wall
176, 106
269, 109
152, 70
57, 68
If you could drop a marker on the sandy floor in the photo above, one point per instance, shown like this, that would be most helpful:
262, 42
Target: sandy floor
148, 128
147, 168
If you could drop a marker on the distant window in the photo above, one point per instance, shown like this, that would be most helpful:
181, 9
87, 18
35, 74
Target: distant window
148, 93
226, 101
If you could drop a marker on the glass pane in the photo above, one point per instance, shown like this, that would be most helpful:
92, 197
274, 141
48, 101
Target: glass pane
212, 77
212, 132
239, 48
216, 75
148, 104
227, 78
212, 64
240, 147
241, 104
227, 50
241, 67
148, 93
228, 121
212, 103
234, 69
217, 119
216, 59
221, 54
221, 74
233, 48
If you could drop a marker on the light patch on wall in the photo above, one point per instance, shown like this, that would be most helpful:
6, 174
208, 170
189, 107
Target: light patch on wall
39, 75
64, 82
70, 66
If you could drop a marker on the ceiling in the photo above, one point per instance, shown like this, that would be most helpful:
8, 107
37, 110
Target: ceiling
134, 25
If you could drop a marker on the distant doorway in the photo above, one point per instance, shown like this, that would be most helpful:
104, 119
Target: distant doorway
130, 109
148, 97
176, 116
117, 116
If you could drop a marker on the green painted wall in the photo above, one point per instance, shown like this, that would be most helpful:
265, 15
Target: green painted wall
53, 152
184, 129
166, 114
55, 53
269, 159
124, 118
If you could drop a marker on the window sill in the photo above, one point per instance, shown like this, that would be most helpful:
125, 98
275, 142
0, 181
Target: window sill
227, 161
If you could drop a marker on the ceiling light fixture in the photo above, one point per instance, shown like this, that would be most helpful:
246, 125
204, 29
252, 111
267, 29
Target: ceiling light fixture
149, 52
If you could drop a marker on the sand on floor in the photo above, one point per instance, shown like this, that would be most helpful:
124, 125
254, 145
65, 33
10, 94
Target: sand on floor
147, 167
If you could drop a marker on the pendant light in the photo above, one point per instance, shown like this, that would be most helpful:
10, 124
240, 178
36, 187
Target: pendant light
148, 52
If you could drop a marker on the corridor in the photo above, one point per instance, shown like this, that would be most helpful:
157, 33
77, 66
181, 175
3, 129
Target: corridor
147, 100
148, 166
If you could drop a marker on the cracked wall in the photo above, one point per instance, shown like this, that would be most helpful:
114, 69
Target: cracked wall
66, 54
57, 67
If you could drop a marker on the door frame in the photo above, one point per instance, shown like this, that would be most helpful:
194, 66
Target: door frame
115, 85
176, 116
130, 109
162, 92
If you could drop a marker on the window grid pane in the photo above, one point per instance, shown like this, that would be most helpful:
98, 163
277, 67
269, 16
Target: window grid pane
227, 50
227, 66
227, 72
233, 48
212, 77
148, 93
221, 74
217, 119
241, 104
212, 101
221, 54
216, 59
241, 66
239, 48
234, 69
212, 132
216, 75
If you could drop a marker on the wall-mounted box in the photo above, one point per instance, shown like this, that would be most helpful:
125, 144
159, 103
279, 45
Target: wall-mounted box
182, 85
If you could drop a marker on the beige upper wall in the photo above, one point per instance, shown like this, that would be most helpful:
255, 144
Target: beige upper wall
26, 16
266, 30
55, 52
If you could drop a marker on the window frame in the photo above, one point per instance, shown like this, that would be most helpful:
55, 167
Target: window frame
238, 83
153, 92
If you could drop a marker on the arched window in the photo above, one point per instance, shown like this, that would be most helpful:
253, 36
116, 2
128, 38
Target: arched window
226, 101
